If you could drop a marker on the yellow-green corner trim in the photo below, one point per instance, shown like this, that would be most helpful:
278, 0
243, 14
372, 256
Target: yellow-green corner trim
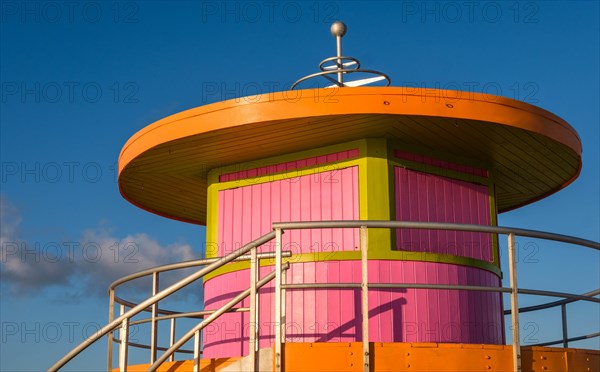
356, 255
374, 193
214, 185
213, 174
375, 165
494, 222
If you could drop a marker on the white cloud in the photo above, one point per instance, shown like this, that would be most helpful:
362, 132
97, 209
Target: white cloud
85, 266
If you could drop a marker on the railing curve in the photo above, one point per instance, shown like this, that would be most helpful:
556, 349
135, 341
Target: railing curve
123, 319
158, 314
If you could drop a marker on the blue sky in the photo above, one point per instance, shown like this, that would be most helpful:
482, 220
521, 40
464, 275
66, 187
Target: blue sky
79, 78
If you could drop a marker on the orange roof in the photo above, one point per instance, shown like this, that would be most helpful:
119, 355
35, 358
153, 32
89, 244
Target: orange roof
531, 152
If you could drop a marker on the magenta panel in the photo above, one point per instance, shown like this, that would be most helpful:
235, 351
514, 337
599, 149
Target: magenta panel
430, 198
440, 163
246, 213
290, 165
395, 315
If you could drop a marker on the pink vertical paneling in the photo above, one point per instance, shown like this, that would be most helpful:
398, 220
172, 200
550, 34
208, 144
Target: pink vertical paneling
334, 315
246, 213
430, 198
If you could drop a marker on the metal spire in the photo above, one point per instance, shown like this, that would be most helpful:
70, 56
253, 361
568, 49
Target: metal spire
342, 65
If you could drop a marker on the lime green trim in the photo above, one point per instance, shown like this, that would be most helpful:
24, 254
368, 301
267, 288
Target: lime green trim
213, 174
374, 194
212, 224
214, 186
376, 201
355, 256
494, 222
288, 174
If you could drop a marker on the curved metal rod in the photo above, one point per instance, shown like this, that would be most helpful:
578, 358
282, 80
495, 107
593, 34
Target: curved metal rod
161, 348
553, 304
536, 292
185, 338
575, 297
191, 315
159, 296
342, 58
435, 226
333, 72
130, 305
185, 265
176, 266
571, 339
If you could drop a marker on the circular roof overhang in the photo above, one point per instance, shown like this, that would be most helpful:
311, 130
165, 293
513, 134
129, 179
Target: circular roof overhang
530, 152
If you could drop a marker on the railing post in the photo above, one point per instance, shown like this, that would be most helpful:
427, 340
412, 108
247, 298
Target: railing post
172, 339
253, 310
283, 307
153, 323
197, 351
124, 338
563, 311
364, 285
514, 303
111, 317
257, 321
278, 316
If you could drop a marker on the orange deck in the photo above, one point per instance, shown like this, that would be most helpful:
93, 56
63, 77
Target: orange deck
396, 357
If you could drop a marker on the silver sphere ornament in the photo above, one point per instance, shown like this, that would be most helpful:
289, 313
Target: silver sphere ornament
338, 28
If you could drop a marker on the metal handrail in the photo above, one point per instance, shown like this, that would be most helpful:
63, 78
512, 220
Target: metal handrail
167, 314
549, 305
514, 290
572, 297
579, 338
159, 296
181, 265
171, 267
436, 226
194, 331
150, 304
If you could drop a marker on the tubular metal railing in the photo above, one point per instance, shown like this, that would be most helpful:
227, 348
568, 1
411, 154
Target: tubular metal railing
123, 320
157, 314
513, 290
165, 314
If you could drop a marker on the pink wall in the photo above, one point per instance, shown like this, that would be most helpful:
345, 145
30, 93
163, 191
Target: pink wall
247, 212
430, 198
399, 315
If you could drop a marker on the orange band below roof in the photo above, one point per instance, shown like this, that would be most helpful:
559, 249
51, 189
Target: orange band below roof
530, 152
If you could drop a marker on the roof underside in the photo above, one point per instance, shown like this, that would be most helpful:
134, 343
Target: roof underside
530, 152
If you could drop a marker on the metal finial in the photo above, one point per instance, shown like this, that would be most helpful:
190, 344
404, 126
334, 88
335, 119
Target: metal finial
338, 28
341, 65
